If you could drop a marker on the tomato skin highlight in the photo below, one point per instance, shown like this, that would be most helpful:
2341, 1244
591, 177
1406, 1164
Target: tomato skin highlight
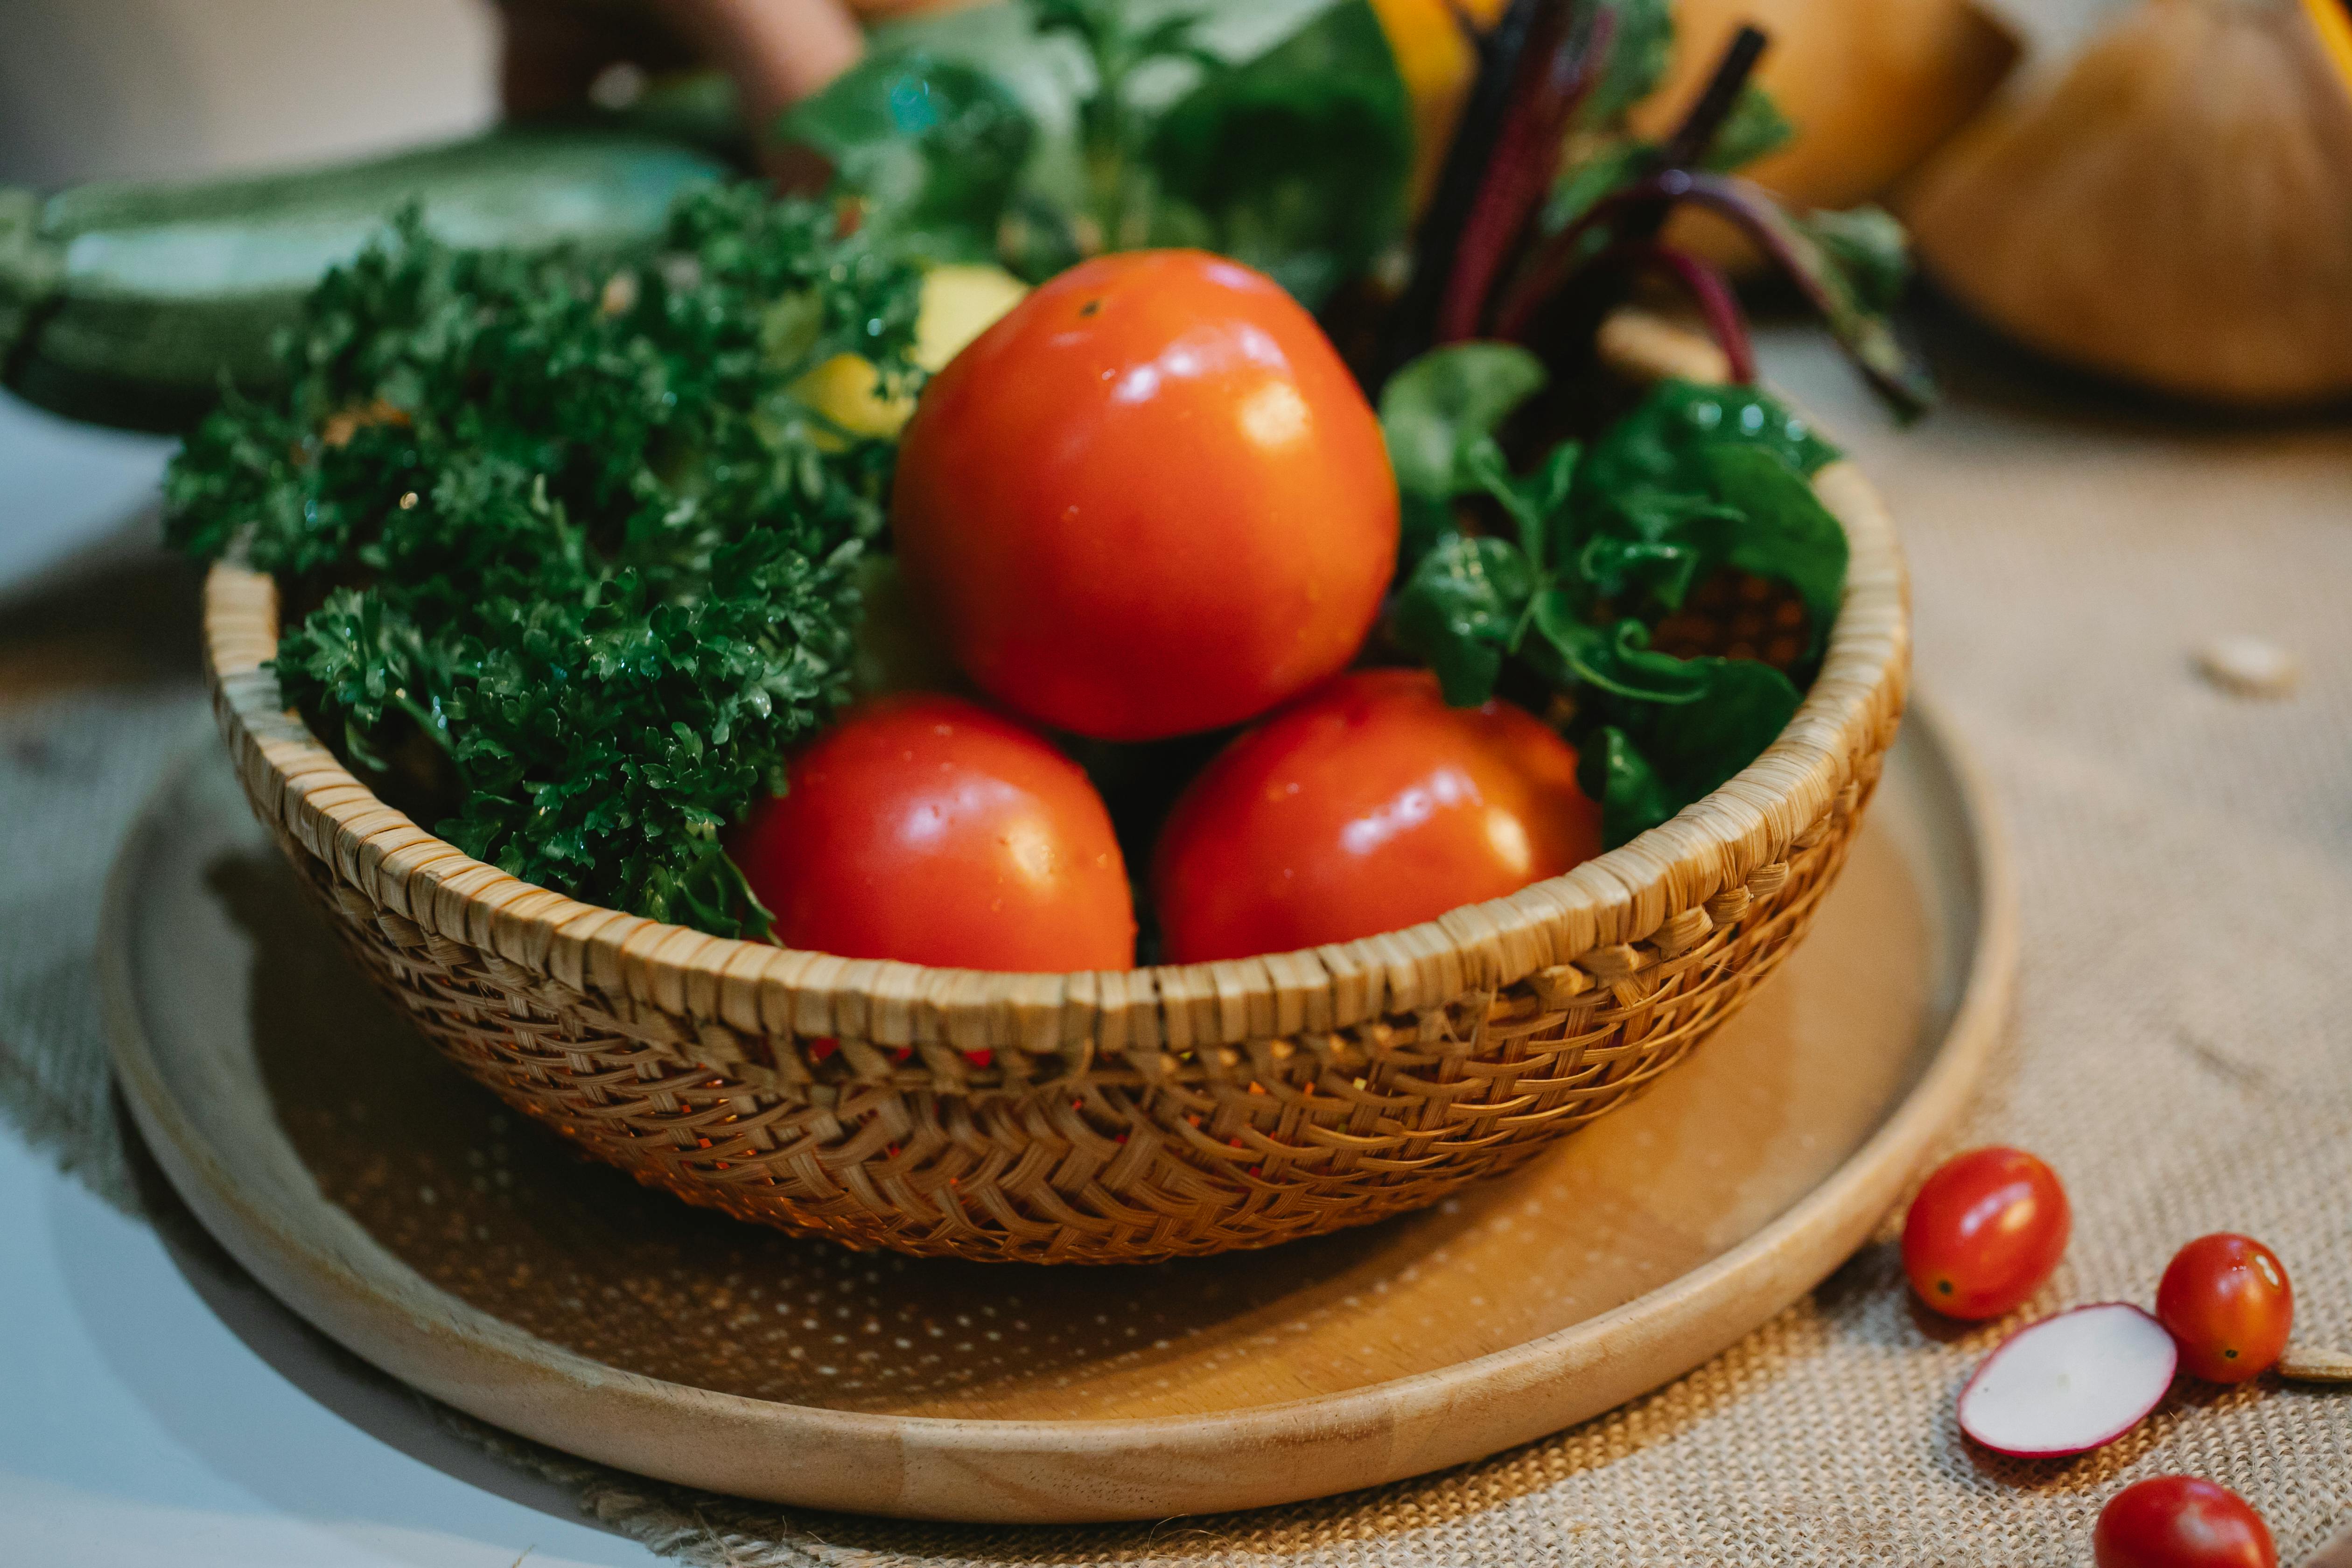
1150, 500
1366, 805
2180, 1521
2230, 1306
925, 828
1987, 1228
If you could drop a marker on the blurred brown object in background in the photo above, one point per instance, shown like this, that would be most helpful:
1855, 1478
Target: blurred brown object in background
2173, 210
777, 51
1872, 86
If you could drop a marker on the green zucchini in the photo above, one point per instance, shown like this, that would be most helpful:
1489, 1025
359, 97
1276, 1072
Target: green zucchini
132, 304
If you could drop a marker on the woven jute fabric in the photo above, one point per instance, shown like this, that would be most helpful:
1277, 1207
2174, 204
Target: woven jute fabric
2181, 1051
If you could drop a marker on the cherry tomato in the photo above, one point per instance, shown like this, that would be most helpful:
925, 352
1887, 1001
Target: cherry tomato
1985, 1231
1150, 500
2228, 1304
1366, 805
2180, 1521
926, 829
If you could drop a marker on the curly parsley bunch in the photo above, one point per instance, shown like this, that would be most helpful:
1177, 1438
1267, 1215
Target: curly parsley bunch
567, 564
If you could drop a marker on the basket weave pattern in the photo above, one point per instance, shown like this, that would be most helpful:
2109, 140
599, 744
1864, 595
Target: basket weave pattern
1100, 1117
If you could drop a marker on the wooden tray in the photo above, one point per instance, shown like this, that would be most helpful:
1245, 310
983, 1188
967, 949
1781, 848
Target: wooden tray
405, 1213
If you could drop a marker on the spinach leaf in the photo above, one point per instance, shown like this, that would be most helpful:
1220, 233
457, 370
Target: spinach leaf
1615, 659
1870, 247
1437, 407
1434, 412
1695, 481
1661, 444
1296, 161
1782, 530
1644, 761
1633, 797
1463, 608
1639, 52
1534, 503
1277, 131
1754, 129
1632, 570
935, 147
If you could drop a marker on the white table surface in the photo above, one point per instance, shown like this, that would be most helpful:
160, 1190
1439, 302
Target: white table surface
138, 1427
156, 1409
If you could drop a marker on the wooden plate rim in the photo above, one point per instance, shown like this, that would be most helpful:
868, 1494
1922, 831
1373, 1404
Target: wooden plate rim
937, 1467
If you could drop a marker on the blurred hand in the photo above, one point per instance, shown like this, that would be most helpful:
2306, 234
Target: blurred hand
778, 51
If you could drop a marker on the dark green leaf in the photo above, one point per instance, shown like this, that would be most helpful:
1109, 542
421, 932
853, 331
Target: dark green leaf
1533, 502
1660, 446
1460, 610
1696, 745
1651, 759
1600, 167
1754, 127
1870, 247
1296, 160
937, 146
1610, 769
1617, 658
1441, 404
1737, 503
1639, 53
1783, 532
1635, 571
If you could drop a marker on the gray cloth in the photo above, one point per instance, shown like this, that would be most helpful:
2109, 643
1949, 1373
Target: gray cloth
2185, 858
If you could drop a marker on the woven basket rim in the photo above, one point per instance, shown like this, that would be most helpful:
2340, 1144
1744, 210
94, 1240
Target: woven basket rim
638, 965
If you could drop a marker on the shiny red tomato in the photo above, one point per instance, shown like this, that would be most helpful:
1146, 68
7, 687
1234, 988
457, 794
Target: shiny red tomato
1366, 805
2229, 1305
1149, 501
926, 829
2180, 1521
1985, 1231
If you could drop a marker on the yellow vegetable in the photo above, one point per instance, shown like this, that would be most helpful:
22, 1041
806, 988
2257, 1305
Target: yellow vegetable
2175, 208
959, 303
1871, 86
847, 390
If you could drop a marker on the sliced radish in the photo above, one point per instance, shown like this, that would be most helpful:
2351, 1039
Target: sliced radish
2071, 1382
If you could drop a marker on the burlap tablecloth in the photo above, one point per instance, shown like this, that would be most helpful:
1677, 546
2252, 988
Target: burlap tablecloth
2181, 1051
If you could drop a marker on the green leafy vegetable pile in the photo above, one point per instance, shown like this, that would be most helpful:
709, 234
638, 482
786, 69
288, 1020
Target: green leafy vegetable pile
1274, 131
1701, 493
564, 556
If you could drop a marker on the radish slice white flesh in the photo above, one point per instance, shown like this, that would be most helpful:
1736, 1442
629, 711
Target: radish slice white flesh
2071, 1382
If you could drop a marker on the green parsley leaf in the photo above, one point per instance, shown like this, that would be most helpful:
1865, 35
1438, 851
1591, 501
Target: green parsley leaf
566, 562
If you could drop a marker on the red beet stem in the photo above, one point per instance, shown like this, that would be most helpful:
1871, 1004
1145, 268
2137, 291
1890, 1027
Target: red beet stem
1869, 342
1569, 41
1727, 324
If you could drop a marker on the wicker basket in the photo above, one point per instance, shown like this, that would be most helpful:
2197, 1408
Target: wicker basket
1095, 1116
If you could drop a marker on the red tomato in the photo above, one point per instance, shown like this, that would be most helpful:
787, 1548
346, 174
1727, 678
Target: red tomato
925, 829
2180, 1521
1368, 805
1985, 1232
2228, 1302
1149, 501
